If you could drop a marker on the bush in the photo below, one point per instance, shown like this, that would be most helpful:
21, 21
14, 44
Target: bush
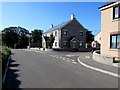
4, 54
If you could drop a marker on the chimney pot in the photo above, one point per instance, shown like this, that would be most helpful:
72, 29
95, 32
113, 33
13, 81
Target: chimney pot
51, 26
72, 16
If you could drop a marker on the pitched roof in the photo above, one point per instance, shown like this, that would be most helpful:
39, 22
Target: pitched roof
108, 3
58, 26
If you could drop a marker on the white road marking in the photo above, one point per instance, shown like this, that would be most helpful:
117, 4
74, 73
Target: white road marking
74, 62
68, 61
71, 55
63, 59
87, 56
99, 70
53, 56
68, 58
57, 56
60, 57
38, 51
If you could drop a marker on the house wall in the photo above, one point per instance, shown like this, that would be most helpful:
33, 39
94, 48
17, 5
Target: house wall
57, 37
73, 29
43, 42
108, 25
98, 38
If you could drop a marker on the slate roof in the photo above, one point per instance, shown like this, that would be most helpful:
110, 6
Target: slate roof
58, 26
108, 3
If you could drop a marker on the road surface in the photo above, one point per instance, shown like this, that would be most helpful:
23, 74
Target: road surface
37, 69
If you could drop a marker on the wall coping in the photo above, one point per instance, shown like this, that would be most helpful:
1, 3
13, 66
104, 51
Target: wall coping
95, 52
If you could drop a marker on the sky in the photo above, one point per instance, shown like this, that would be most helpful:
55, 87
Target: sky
40, 15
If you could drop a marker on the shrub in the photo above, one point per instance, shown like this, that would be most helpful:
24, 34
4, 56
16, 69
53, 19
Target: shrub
4, 54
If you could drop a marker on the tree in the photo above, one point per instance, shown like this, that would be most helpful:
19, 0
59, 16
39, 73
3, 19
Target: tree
89, 36
9, 36
37, 37
22, 42
22, 31
15, 37
51, 39
0, 40
23, 39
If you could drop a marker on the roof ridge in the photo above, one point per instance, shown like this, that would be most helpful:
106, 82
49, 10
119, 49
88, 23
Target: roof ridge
109, 2
58, 26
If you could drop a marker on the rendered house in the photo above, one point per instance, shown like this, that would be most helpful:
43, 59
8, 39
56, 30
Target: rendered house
110, 29
69, 35
98, 38
97, 42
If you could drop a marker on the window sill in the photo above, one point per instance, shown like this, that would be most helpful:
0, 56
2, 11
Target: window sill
118, 19
114, 49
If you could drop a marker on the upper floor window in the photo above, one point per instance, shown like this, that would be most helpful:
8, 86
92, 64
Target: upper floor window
115, 41
81, 33
64, 32
116, 12
55, 33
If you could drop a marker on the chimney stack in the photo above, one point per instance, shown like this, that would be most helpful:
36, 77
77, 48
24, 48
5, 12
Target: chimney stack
72, 16
51, 26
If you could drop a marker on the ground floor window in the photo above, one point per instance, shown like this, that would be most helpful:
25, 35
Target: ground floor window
55, 43
81, 44
65, 44
115, 41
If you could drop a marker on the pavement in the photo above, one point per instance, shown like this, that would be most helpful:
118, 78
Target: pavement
52, 69
87, 59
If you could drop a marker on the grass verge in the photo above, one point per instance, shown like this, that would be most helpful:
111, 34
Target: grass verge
4, 54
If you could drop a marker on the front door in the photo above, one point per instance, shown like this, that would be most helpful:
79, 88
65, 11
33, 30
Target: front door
74, 45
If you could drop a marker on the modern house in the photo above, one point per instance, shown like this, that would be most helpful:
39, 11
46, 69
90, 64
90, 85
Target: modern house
69, 35
110, 28
98, 38
97, 41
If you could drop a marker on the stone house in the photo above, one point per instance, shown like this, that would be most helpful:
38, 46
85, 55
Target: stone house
69, 35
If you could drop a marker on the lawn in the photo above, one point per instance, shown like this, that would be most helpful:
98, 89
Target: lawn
116, 60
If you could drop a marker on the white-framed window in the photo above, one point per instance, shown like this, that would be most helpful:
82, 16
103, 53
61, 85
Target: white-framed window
115, 41
55, 33
81, 44
116, 12
81, 33
65, 32
65, 43
55, 43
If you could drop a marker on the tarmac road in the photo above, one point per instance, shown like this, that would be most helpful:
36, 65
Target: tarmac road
50, 70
